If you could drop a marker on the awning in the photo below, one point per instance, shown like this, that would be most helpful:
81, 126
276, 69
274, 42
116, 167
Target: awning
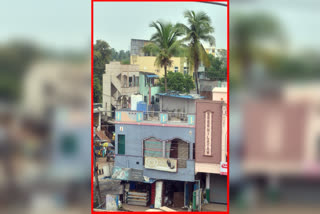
152, 76
151, 181
127, 174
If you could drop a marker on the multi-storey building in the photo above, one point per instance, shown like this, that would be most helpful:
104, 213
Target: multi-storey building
147, 63
119, 82
211, 146
158, 147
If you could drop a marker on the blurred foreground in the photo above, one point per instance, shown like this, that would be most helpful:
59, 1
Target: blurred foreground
45, 138
274, 108
45, 96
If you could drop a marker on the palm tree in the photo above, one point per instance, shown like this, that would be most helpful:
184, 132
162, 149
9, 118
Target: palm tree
199, 29
165, 44
247, 40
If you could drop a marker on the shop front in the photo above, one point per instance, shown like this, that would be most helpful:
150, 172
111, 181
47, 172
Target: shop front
138, 189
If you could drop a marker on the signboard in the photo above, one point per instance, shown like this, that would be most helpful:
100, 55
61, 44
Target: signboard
163, 118
139, 116
162, 164
136, 175
118, 116
208, 133
191, 119
223, 168
127, 174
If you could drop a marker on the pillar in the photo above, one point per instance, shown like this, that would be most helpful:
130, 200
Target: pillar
208, 187
190, 151
163, 148
158, 195
99, 121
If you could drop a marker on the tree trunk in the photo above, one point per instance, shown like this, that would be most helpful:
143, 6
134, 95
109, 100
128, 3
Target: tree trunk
165, 79
196, 66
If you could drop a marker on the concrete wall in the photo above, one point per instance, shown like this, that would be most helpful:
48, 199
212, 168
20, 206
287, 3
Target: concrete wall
133, 158
220, 94
146, 64
137, 45
174, 103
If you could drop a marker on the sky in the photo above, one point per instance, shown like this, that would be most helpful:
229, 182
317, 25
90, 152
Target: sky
53, 24
64, 24
296, 18
119, 22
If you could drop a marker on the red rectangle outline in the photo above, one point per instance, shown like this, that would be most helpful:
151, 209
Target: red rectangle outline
228, 67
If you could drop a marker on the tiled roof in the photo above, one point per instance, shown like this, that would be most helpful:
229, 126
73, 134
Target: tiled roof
102, 136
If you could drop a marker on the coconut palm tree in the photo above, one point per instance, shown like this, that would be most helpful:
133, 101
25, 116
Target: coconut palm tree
165, 44
199, 29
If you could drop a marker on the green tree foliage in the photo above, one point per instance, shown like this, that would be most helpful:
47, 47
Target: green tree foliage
199, 29
125, 62
222, 54
165, 43
97, 90
177, 82
15, 59
217, 69
102, 56
249, 33
122, 56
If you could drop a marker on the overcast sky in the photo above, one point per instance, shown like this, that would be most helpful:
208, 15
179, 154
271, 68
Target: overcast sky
64, 24
119, 22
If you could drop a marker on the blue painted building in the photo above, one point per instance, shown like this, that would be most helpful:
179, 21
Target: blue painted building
160, 145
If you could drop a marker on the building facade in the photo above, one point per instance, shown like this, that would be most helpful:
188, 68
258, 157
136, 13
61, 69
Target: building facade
119, 83
160, 147
147, 63
149, 87
211, 148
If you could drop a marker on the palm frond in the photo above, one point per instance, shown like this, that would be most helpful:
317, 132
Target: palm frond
151, 48
204, 56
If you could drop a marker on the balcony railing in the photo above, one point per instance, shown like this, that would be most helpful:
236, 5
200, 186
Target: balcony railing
155, 117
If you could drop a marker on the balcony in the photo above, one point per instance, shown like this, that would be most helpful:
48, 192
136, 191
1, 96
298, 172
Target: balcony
155, 117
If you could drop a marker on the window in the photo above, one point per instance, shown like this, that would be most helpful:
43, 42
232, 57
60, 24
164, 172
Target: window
130, 81
176, 69
152, 100
154, 148
185, 70
179, 149
145, 99
121, 144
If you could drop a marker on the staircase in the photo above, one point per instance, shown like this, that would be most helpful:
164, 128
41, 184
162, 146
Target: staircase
116, 83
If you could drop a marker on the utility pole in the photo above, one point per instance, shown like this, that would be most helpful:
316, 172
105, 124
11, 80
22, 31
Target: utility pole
97, 187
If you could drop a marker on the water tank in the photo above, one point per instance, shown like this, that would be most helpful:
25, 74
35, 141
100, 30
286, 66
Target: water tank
135, 98
142, 106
